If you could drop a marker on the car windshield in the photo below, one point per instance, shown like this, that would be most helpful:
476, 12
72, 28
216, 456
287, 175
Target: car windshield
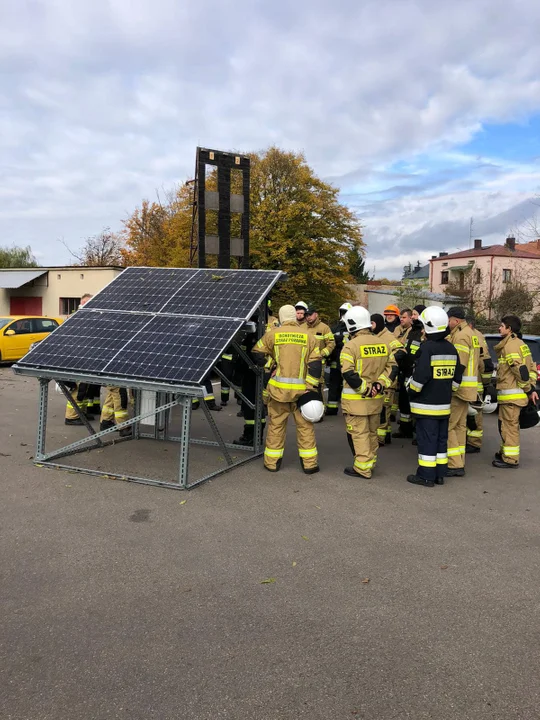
4, 322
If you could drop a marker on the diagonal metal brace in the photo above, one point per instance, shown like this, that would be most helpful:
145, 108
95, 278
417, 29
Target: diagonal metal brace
243, 354
96, 436
234, 387
216, 432
82, 416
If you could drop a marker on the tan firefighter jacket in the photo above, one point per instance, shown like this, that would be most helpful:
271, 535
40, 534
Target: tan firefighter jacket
365, 359
402, 333
271, 322
464, 339
395, 348
516, 371
297, 357
325, 336
485, 366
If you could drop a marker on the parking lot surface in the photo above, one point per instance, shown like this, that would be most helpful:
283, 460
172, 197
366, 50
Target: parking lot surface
382, 600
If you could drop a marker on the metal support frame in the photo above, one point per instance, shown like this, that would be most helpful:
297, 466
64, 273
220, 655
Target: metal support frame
165, 402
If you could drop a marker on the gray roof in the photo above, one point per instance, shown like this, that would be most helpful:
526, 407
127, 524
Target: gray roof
17, 278
440, 297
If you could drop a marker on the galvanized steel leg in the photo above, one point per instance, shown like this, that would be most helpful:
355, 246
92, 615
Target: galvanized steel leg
82, 416
42, 417
184, 442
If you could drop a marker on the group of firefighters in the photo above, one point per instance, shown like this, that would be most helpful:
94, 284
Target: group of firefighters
432, 366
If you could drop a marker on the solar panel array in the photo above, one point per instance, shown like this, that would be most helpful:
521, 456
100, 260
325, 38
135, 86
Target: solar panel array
155, 324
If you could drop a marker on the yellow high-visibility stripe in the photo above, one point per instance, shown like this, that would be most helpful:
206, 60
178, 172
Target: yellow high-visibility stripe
274, 453
287, 386
364, 465
309, 452
346, 356
511, 451
452, 452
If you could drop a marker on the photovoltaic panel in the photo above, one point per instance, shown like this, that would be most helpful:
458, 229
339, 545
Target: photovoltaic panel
86, 341
165, 325
140, 289
186, 291
222, 293
175, 349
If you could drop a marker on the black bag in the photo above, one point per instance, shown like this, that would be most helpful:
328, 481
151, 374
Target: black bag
529, 417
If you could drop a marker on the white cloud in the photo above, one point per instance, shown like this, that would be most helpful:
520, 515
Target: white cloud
104, 102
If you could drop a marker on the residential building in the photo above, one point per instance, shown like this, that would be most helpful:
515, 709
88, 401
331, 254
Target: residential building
482, 273
417, 275
50, 291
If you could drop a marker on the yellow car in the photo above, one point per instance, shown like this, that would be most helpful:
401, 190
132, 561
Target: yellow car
18, 332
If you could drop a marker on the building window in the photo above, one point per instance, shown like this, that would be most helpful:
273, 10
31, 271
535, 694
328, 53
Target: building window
478, 276
444, 277
507, 276
69, 305
81, 276
58, 277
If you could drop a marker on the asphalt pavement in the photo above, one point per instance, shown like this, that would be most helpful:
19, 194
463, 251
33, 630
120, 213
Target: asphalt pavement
263, 596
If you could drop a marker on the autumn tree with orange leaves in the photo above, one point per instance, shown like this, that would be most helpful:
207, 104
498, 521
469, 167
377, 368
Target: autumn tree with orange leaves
298, 225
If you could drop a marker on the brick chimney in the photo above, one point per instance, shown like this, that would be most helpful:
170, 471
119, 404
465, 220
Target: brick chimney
478, 244
511, 243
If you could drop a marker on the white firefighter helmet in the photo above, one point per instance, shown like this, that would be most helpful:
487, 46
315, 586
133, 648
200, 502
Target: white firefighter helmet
490, 403
311, 406
344, 308
434, 319
301, 304
357, 318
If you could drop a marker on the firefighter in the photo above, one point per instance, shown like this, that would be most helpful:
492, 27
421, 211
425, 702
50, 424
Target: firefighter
325, 338
368, 368
85, 396
209, 397
249, 389
412, 345
301, 309
226, 364
516, 383
271, 320
115, 410
391, 318
395, 348
298, 369
468, 347
335, 381
405, 324
475, 423
437, 374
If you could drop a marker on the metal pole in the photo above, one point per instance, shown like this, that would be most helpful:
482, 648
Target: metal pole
217, 434
184, 442
42, 417
75, 405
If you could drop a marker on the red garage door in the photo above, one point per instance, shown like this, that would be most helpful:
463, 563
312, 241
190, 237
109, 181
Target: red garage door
25, 306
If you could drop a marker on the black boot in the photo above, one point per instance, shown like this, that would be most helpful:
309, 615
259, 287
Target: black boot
212, 405
331, 411
470, 449
106, 424
351, 472
415, 480
126, 432
246, 438
503, 464
276, 469
75, 421
439, 481
455, 472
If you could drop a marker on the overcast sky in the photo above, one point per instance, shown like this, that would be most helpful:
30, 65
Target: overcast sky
424, 113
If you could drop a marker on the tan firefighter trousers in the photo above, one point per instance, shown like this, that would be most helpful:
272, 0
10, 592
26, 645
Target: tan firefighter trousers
509, 429
474, 437
457, 432
112, 409
363, 432
278, 415
385, 425
71, 413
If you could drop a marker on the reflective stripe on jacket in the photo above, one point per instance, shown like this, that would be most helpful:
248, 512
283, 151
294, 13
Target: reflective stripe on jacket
515, 364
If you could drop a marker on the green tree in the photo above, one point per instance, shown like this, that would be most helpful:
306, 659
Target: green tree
17, 257
298, 225
517, 298
357, 267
